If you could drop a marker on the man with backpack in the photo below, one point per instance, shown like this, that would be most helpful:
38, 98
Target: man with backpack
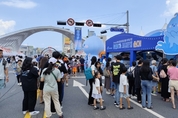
131, 78
4, 77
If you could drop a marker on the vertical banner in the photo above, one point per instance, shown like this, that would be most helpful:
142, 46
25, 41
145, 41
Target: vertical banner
78, 38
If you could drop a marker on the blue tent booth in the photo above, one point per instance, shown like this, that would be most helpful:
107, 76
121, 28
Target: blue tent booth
127, 42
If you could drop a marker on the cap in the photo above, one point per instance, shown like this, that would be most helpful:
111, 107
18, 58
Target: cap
34, 60
118, 57
153, 62
52, 60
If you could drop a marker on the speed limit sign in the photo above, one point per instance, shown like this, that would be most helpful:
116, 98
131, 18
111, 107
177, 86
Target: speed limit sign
89, 23
70, 21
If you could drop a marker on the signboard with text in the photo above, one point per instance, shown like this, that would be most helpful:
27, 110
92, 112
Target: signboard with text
126, 42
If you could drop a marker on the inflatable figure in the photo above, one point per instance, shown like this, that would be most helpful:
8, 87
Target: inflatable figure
93, 45
170, 44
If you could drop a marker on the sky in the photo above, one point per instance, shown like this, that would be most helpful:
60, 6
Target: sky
147, 15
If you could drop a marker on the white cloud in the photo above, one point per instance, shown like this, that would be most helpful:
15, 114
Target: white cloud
25, 4
171, 7
6, 26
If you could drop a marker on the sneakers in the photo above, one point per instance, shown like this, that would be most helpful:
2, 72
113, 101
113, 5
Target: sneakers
117, 105
102, 108
133, 97
67, 84
20, 83
34, 113
96, 107
24, 112
61, 116
107, 92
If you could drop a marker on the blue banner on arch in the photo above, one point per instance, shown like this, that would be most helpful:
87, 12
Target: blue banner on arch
78, 38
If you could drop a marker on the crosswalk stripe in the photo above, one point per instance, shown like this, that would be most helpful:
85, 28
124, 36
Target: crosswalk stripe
27, 115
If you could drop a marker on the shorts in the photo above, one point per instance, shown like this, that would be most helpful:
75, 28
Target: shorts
123, 95
173, 84
96, 96
74, 69
154, 83
2, 83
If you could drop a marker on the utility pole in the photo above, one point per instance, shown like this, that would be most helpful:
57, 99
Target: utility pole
127, 26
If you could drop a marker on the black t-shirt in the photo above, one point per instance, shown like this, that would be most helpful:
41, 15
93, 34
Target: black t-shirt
29, 79
116, 69
62, 67
144, 74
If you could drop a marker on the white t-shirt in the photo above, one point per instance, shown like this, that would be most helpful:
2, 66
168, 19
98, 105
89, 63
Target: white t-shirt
93, 68
2, 74
123, 81
96, 84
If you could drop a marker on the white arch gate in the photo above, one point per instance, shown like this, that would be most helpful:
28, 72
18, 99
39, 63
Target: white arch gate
13, 41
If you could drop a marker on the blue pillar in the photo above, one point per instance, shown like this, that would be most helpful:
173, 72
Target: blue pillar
144, 55
132, 56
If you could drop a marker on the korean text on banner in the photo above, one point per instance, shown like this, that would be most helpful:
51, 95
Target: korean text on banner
78, 38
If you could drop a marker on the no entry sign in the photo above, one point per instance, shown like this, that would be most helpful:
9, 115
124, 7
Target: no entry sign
70, 21
89, 23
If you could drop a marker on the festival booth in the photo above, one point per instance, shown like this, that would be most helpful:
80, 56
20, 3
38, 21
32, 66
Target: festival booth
131, 43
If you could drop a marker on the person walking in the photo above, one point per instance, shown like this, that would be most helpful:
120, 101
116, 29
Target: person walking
165, 81
131, 79
29, 86
173, 81
107, 82
116, 69
123, 89
96, 92
51, 76
146, 83
19, 71
138, 80
3, 70
93, 68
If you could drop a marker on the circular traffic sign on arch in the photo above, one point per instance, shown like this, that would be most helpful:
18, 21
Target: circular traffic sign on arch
70, 21
89, 23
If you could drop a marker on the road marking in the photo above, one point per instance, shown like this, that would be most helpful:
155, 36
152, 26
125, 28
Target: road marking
44, 115
27, 115
77, 77
151, 111
78, 84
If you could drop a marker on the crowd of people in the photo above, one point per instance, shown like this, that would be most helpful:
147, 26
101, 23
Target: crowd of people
140, 81
50, 74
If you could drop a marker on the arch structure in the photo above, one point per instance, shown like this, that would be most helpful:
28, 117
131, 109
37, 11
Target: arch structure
13, 41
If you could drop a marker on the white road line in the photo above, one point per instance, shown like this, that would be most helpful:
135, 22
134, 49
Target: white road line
78, 84
150, 111
78, 77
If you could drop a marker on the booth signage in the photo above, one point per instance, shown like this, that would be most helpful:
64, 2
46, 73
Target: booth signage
127, 42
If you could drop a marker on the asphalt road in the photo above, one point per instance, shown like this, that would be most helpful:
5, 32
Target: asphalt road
75, 104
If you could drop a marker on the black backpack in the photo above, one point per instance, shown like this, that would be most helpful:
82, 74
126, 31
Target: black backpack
130, 74
4, 62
